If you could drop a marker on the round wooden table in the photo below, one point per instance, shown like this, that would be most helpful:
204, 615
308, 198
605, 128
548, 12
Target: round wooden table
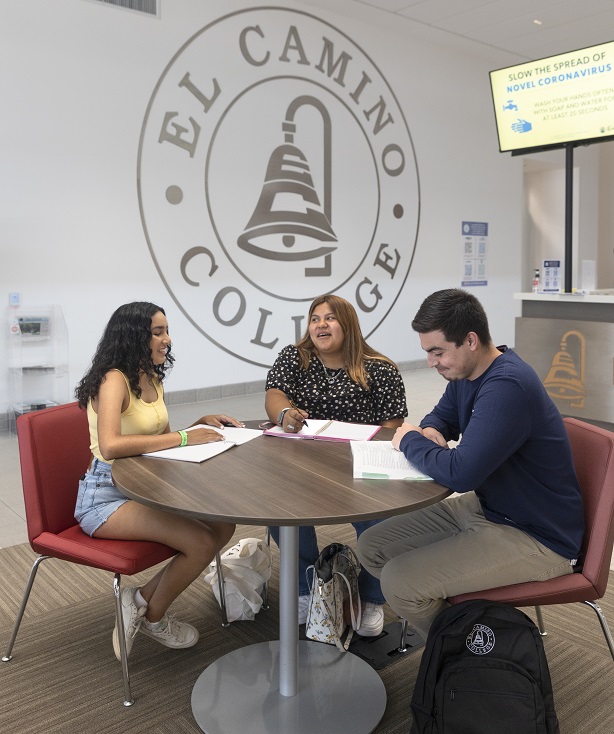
303, 686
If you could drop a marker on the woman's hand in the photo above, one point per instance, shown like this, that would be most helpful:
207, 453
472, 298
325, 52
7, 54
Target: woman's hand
203, 435
219, 421
294, 420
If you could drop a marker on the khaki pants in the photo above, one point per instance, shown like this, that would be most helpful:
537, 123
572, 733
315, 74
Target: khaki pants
449, 548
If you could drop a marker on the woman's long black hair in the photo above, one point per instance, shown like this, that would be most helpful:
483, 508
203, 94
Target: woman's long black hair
124, 346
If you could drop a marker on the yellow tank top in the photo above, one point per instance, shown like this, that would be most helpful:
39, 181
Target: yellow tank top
149, 419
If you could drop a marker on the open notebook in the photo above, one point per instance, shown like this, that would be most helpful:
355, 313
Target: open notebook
201, 452
380, 460
329, 431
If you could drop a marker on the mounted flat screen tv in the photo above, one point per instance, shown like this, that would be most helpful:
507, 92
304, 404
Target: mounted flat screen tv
555, 101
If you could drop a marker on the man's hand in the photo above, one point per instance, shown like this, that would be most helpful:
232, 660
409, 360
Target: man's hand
401, 431
434, 435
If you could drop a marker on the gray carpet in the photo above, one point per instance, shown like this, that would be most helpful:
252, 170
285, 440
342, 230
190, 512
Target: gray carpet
65, 678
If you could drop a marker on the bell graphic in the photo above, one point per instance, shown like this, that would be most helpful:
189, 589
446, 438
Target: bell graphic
563, 381
289, 223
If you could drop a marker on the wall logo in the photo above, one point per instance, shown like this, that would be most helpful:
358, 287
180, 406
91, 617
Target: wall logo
566, 379
480, 640
275, 165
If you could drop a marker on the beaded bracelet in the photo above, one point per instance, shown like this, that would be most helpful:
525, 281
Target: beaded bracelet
184, 438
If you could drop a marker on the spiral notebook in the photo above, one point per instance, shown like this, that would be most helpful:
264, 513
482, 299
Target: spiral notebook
328, 431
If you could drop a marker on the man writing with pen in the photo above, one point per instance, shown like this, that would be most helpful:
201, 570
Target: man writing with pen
333, 374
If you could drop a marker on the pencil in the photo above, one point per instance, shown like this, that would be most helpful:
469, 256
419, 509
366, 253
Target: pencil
295, 406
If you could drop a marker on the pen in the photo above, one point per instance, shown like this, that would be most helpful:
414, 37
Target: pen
295, 406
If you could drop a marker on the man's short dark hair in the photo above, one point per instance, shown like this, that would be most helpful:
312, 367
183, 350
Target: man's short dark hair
454, 312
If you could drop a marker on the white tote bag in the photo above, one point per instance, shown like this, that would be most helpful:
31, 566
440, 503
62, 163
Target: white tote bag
334, 606
247, 567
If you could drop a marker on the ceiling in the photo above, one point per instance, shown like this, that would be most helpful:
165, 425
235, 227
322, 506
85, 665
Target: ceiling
508, 25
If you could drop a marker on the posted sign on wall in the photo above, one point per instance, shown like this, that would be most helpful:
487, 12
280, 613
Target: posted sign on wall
474, 249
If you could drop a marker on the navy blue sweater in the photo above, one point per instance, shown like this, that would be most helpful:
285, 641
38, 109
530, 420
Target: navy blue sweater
514, 453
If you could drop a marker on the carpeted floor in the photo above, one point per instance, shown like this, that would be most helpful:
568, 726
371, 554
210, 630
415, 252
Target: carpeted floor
65, 678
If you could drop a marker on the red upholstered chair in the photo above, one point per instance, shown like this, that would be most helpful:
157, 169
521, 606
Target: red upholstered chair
593, 452
54, 453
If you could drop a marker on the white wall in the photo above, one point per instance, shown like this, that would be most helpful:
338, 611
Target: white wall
545, 191
77, 80
605, 271
545, 188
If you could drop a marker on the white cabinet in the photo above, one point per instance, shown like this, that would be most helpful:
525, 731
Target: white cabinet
37, 358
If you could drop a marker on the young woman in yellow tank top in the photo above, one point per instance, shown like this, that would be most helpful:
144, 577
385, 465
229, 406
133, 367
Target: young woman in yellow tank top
122, 392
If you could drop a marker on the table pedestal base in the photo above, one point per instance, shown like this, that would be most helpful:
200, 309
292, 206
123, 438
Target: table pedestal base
337, 693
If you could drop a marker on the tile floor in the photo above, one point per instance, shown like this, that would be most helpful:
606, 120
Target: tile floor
424, 388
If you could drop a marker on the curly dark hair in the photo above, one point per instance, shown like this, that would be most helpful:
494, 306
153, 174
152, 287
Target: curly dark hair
124, 346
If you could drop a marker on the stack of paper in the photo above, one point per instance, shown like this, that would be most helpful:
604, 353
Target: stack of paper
380, 460
201, 452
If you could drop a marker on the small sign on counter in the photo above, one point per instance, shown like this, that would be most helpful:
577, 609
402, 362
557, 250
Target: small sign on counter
551, 276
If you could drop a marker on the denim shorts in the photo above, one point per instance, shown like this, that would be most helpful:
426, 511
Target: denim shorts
98, 497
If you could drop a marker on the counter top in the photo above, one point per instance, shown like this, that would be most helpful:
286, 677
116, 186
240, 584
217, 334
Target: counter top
566, 297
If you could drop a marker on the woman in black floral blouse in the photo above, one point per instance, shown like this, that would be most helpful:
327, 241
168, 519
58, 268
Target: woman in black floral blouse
333, 374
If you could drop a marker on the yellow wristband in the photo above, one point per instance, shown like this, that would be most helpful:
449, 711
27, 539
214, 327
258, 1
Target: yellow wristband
184, 438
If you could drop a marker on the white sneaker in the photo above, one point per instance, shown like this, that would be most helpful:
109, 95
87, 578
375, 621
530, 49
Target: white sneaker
132, 616
303, 608
372, 622
173, 634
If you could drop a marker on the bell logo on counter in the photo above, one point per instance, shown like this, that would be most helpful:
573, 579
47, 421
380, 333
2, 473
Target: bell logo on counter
275, 165
565, 380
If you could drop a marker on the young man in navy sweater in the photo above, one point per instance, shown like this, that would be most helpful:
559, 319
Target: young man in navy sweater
518, 513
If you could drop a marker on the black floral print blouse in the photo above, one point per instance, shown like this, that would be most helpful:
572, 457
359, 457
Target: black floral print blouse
330, 394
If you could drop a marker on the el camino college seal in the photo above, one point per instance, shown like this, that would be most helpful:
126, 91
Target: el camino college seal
275, 165
480, 640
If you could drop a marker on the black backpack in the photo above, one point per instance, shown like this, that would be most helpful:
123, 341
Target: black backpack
483, 671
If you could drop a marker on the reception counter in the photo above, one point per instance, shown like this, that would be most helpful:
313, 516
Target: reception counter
569, 340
